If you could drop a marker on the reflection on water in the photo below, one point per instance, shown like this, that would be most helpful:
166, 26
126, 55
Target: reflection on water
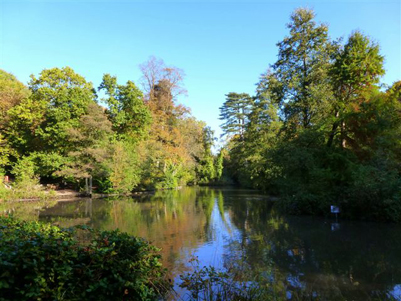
305, 257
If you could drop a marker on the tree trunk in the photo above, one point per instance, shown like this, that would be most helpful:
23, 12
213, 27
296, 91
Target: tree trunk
333, 131
90, 185
86, 186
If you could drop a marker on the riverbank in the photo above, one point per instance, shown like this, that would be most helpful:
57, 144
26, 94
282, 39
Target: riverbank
68, 194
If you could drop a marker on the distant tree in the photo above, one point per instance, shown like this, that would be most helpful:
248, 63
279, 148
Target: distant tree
206, 169
219, 164
40, 123
12, 92
234, 112
23, 125
90, 142
154, 71
126, 110
169, 161
67, 96
192, 132
5, 152
124, 167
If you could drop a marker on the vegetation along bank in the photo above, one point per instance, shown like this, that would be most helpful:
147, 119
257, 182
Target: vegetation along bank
321, 129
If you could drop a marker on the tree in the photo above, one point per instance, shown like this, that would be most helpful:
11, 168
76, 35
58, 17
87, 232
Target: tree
126, 110
219, 164
168, 155
90, 143
356, 69
12, 92
320, 130
262, 135
302, 68
235, 112
154, 71
59, 97
5, 152
124, 167
206, 169
67, 96
24, 121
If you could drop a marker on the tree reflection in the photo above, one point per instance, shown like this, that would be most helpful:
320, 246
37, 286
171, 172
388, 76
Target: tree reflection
298, 257
27, 210
177, 221
358, 261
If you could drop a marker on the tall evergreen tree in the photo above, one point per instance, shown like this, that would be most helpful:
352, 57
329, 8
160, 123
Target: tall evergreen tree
235, 112
302, 68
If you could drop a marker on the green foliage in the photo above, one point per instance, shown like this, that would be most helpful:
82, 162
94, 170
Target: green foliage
170, 177
5, 152
357, 65
48, 163
302, 67
132, 143
126, 109
124, 168
89, 139
320, 131
23, 121
44, 262
24, 170
12, 92
65, 96
206, 169
42, 122
235, 112
26, 184
219, 164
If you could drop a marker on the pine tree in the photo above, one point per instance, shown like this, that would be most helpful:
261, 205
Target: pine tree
302, 67
235, 112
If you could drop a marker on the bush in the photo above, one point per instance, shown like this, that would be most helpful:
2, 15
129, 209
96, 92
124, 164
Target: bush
171, 176
43, 262
24, 171
26, 183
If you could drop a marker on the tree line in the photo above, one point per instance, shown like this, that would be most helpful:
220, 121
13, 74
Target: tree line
321, 129
61, 129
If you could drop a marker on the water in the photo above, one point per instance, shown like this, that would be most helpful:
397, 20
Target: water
305, 258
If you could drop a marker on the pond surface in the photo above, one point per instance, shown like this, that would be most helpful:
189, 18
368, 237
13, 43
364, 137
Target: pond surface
306, 258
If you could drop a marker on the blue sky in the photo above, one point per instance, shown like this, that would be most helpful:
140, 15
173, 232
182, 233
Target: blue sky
222, 46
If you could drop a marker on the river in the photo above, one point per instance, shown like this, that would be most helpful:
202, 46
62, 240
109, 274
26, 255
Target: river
305, 258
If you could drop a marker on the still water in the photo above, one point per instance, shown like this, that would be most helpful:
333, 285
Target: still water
307, 258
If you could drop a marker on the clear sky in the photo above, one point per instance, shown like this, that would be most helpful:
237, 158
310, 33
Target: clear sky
222, 46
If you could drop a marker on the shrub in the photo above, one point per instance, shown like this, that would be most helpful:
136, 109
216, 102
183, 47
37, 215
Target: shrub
43, 262
24, 171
